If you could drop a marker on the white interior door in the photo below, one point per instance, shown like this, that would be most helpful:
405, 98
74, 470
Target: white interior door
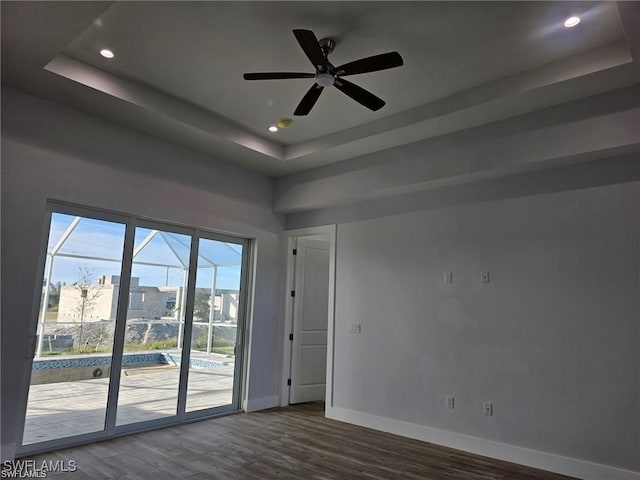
310, 321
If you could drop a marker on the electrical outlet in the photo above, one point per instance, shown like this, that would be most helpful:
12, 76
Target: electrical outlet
488, 408
448, 278
484, 277
450, 402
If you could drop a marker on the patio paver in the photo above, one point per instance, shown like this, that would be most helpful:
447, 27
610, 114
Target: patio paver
58, 410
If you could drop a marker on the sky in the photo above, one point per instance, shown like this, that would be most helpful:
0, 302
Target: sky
103, 239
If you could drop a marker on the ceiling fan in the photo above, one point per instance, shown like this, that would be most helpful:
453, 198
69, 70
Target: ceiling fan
327, 75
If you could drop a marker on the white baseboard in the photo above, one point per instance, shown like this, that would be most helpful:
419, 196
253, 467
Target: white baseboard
510, 453
255, 404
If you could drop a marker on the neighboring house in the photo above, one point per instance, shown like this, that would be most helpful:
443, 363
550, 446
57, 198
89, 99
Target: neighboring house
151, 303
144, 302
226, 304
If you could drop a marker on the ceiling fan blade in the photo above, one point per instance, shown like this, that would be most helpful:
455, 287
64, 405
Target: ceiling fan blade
276, 75
359, 94
309, 100
311, 48
370, 64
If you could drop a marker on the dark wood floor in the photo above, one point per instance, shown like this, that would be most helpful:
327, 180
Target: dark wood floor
282, 443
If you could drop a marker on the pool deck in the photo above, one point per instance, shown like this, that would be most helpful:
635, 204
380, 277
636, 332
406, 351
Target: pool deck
58, 410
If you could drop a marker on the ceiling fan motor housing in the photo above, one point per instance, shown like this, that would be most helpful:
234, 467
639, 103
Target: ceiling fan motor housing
325, 79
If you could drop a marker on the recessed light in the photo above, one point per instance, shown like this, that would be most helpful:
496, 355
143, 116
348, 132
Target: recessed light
106, 53
273, 128
572, 21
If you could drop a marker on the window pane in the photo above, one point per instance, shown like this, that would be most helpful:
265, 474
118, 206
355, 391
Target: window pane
155, 323
215, 325
76, 322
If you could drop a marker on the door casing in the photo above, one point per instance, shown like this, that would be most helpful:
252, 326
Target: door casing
327, 233
310, 314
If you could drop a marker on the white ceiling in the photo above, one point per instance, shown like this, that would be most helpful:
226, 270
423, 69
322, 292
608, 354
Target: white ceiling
178, 68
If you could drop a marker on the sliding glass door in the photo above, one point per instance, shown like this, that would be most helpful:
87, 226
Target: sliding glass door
212, 377
150, 373
140, 325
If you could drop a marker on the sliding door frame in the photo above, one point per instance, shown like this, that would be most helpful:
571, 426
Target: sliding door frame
241, 337
111, 430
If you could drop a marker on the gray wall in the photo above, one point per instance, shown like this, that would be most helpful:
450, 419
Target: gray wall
50, 152
553, 340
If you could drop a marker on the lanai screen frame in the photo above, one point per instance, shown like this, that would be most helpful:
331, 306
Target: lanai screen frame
55, 252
